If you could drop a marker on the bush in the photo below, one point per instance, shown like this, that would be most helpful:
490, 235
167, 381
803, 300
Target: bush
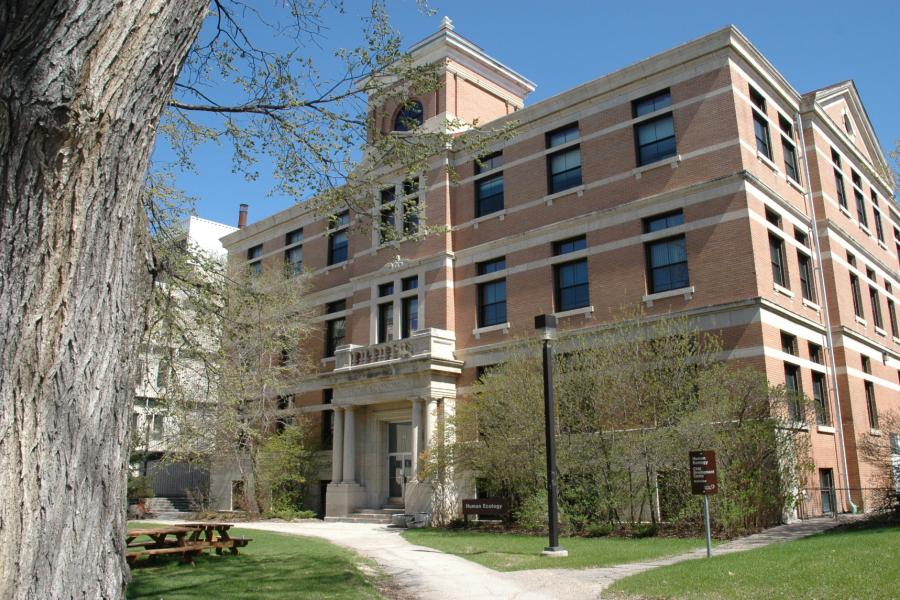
290, 514
599, 530
139, 487
532, 515
644, 530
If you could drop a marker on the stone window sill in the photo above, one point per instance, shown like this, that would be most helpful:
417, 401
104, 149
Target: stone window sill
881, 332
783, 290
865, 230
499, 214
861, 321
846, 212
767, 161
578, 189
875, 432
812, 305
896, 339
587, 311
883, 246
687, 292
825, 429
794, 184
479, 331
672, 161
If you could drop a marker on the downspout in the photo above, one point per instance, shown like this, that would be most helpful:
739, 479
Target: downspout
829, 342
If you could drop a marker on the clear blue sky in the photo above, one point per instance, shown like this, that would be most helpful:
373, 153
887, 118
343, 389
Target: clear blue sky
561, 44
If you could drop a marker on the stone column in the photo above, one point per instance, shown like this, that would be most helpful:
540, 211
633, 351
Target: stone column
349, 445
430, 421
337, 446
415, 432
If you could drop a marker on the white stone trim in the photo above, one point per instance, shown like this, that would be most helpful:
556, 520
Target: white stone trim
479, 331
587, 311
687, 292
783, 290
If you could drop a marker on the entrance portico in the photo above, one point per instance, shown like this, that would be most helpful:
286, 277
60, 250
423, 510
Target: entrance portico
386, 401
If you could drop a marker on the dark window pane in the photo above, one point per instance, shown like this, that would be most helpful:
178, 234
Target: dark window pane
562, 135
490, 266
663, 222
652, 103
565, 170
668, 264
655, 139
572, 290
489, 195
409, 116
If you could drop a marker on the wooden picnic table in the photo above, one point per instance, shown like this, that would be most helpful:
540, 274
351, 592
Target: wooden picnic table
182, 542
216, 534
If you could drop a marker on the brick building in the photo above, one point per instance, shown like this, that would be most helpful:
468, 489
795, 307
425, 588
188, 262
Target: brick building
695, 182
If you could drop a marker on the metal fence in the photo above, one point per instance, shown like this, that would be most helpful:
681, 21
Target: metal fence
824, 502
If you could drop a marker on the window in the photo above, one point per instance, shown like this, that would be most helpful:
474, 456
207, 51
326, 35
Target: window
866, 364
879, 226
788, 343
387, 225
807, 285
158, 429
254, 254
787, 145
861, 213
327, 418
571, 279
293, 237
338, 241
820, 399
839, 185
293, 258
488, 195
411, 186
774, 218
411, 215
410, 322
792, 385
335, 331
857, 296
489, 162
492, 294
667, 267
163, 373
409, 283
563, 167
871, 406
876, 307
815, 353
779, 269
892, 311
385, 322
654, 138
409, 116
386, 289
761, 124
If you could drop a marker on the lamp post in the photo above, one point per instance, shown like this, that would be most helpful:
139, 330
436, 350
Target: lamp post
546, 325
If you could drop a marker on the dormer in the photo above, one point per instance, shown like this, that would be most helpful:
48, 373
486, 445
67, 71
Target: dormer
472, 86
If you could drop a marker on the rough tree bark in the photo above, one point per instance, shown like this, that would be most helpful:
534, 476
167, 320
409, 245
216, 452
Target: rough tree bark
82, 83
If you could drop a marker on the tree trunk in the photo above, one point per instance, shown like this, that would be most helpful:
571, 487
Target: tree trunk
82, 84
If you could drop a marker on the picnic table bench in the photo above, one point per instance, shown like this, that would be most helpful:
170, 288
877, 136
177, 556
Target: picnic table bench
187, 540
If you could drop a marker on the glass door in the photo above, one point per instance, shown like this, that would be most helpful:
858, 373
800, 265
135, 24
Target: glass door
399, 458
826, 481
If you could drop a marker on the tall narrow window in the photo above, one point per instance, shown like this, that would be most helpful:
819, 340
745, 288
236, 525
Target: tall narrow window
787, 145
254, 256
338, 240
385, 322
761, 124
489, 195
411, 211
410, 323
564, 166
571, 278
387, 225
876, 213
491, 294
335, 329
654, 138
807, 284
327, 419
794, 390
293, 254
876, 307
820, 399
667, 267
892, 311
861, 213
779, 269
871, 406
409, 116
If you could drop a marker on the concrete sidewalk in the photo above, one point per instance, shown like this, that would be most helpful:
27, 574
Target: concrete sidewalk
428, 574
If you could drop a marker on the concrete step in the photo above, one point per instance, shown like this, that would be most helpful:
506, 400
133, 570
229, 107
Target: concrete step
173, 514
376, 519
380, 511
162, 503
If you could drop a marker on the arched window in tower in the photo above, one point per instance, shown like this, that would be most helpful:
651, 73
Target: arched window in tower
409, 116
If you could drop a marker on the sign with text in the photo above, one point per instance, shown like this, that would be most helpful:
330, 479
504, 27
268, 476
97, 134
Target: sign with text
485, 506
704, 480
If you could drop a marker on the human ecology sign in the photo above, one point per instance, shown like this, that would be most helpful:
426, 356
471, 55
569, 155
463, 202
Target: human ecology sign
704, 480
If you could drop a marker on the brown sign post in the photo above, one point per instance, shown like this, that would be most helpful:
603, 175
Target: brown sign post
495, 507
705, 482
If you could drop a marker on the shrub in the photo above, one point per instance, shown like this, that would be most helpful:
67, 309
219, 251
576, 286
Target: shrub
532, 515
644, 530
290, 514
599, 530
139, 487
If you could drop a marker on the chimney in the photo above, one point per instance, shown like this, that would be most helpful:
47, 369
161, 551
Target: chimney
242, 216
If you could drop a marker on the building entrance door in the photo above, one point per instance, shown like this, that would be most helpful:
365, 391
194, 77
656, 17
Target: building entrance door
826, 480
399, 459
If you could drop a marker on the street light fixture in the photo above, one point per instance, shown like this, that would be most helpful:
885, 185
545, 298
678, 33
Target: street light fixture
546, 325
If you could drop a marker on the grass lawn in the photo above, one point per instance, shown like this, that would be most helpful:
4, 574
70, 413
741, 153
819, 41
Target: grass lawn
856, 563
514, 552
272, 566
